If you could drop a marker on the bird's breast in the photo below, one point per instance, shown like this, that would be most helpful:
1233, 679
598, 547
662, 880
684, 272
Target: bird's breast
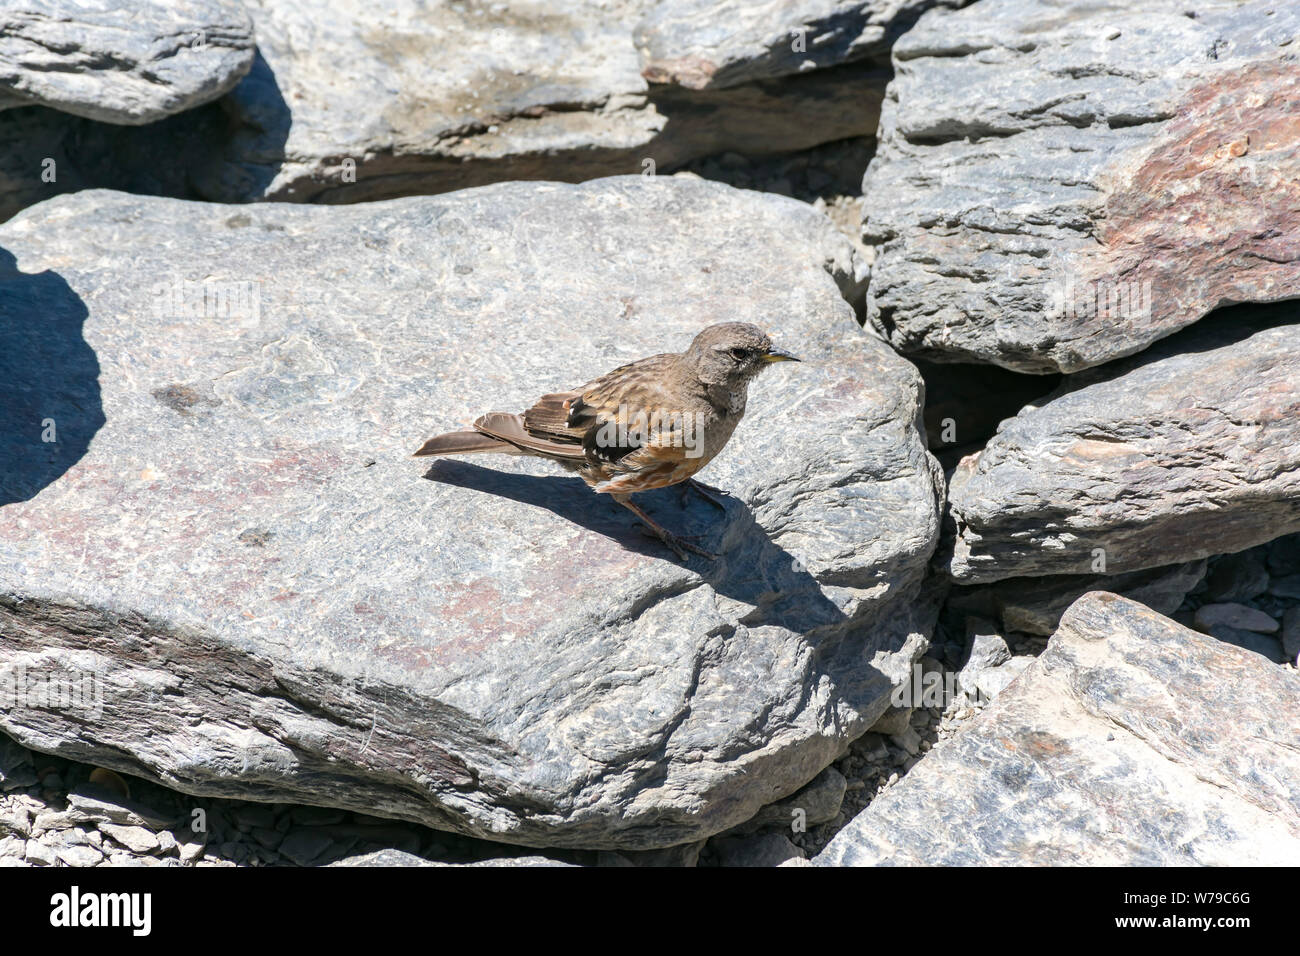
713, 434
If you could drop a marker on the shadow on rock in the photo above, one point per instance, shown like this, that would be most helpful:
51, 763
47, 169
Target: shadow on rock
49, 381
251, 126
750, 568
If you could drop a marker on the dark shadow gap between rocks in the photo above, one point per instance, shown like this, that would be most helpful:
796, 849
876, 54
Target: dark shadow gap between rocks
827, 171
965, 403
220, 152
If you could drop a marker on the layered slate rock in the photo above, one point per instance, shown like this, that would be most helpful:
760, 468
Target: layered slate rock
1131, 741
128, 64
699, 44
439, 97
277, 602
1056, 187
430, 87
539, 90
1190, 450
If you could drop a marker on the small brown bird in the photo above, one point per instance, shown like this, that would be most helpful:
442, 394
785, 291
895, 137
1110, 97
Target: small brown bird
647, 424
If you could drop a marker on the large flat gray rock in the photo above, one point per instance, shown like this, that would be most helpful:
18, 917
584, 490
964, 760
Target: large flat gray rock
430, 84
279, 603
362, 102
1189, 450
121, 63
1131, 741
1058, 185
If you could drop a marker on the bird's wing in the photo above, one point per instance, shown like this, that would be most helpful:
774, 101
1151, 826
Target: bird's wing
632, 407
511, 428
639, 382
549, 418
585, 422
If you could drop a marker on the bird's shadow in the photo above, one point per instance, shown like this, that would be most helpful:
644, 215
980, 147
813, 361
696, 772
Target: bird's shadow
50, 406
750, 567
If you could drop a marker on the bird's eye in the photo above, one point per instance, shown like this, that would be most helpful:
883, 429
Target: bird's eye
739, 354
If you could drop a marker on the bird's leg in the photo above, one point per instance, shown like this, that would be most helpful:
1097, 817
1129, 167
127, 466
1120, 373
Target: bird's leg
679, 544
707, 492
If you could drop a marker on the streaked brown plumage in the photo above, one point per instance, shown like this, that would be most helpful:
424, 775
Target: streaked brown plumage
647, 424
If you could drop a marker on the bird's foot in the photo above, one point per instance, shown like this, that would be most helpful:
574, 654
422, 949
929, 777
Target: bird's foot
707, 492
679, 543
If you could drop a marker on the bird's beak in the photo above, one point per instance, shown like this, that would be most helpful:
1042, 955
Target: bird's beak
778, 355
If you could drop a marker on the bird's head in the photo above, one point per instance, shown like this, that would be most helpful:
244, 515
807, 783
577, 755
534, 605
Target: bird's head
732, 353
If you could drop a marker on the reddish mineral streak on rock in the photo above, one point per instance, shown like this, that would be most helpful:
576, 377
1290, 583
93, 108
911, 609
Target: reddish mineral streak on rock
482, 608
1210, 214
1039, 744
846, 389
692, 72
490, 616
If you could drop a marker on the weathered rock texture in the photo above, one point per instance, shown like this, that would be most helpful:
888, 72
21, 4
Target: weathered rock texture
1130, 741
1058, 186
276, 602
439, 97
701, 44
121, 63
1189, 450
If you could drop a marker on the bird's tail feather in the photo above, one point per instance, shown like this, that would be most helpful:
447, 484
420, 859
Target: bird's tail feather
465, 443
